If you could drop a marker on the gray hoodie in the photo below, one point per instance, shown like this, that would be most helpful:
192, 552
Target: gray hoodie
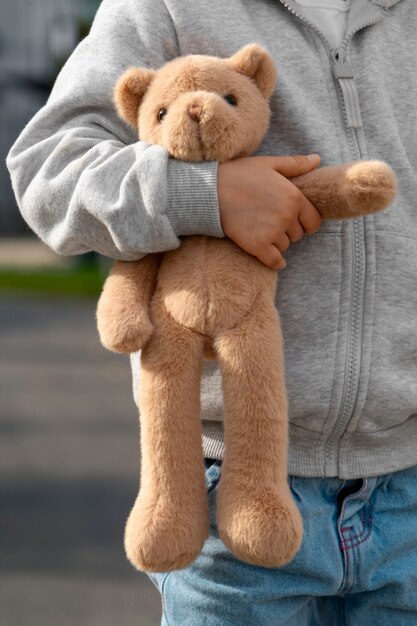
348, 297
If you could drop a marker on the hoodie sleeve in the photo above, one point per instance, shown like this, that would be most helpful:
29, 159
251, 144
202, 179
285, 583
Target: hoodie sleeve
81, 178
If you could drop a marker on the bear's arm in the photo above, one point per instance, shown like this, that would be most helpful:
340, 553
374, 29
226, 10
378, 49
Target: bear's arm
124, 306
349, 190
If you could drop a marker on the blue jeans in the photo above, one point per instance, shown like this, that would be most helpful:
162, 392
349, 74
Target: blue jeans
357, 565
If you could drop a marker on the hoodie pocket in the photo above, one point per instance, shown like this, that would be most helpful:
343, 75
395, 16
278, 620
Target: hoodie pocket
309, 303
391, 393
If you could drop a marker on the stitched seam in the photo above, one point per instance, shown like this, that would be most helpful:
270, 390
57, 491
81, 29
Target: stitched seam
362, 537
344, 552
344, 548
345, 573
326, 234
363, 520
393, 232
162, 597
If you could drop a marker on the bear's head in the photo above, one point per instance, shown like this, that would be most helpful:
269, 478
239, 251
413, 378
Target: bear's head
201, 108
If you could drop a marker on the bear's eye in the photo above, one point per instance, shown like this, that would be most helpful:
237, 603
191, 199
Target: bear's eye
161, 114
231, 100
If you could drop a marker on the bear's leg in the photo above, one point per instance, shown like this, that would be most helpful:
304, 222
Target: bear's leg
168, 524
256, 515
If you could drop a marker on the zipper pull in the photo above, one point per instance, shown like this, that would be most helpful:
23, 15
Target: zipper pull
343, 73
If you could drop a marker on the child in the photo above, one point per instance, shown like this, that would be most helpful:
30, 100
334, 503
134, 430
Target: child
346, 90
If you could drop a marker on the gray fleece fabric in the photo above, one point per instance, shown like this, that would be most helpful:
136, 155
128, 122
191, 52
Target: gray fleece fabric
348, 297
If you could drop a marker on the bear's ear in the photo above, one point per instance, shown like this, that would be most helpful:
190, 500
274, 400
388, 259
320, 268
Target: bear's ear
255, 62
129, 92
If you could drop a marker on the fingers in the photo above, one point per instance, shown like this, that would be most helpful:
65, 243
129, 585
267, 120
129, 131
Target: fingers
309, 218
261, 210
282, 243
290, 166
280, 262
295, 232
272, 257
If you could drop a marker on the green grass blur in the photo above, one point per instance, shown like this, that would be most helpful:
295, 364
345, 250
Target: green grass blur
84, 280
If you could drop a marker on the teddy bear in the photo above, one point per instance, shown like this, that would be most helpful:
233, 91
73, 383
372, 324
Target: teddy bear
210, 299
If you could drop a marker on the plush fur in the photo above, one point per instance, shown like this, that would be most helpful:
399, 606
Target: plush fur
210, 299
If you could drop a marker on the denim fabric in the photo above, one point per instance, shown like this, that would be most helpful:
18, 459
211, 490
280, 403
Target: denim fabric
357, 565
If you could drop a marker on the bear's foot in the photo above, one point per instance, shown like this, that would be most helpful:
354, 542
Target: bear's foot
261, 527
162, 539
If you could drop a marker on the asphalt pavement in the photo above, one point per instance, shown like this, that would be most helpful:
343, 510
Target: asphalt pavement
68, 471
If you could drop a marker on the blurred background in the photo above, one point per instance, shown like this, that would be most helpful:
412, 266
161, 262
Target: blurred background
68, 425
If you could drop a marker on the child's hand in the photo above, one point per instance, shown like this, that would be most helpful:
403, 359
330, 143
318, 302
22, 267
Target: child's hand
262, 211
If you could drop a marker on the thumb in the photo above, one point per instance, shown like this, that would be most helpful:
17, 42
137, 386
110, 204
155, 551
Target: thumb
290, 166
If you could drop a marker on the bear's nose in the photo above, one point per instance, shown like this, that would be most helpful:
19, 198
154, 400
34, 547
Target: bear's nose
195, 111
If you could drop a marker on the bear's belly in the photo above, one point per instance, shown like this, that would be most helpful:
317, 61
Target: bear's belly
209, 285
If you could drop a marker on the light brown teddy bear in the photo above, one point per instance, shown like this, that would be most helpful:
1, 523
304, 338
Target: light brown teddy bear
209, 298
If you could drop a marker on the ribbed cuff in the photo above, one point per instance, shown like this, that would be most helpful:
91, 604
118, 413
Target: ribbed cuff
193, 207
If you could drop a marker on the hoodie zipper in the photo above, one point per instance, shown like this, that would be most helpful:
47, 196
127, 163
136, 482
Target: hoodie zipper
348, 94
291, 9
349, 104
